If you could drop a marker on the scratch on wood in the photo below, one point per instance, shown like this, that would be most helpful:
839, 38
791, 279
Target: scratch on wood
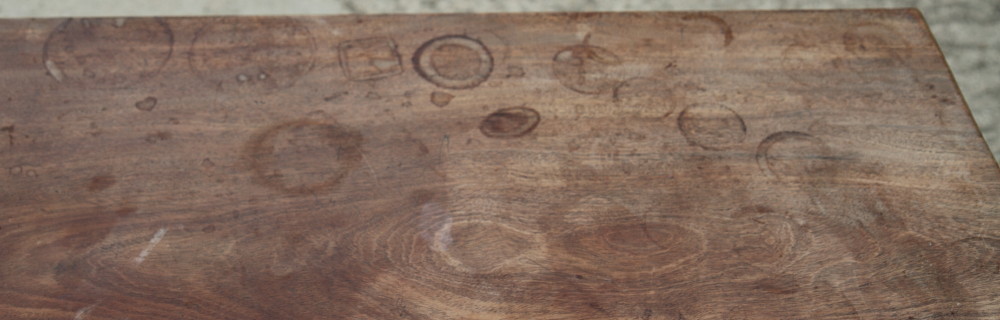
446, 142
54, 70
152, 244
371, 171
82, 313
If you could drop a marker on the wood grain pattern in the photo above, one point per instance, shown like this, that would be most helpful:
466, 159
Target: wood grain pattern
731, 165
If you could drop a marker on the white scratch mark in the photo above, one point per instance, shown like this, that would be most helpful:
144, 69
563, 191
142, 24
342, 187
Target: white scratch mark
583, 31
152, 244
371, 171
446, 142
54, 70
430, 213
82, 313
119, 22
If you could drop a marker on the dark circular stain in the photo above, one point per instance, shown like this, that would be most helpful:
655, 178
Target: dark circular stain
109, 53
305, 156
510, 122
454, 62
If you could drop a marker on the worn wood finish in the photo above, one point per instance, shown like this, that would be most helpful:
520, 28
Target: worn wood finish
735, 165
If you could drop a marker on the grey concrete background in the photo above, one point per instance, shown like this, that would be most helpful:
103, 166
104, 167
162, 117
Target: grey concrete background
967, 30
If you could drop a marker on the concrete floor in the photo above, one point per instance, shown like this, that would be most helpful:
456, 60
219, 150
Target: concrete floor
965, 29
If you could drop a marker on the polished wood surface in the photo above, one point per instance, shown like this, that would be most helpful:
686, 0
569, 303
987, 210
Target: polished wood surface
730, 165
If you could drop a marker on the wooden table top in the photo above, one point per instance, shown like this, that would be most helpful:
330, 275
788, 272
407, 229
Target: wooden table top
730, 165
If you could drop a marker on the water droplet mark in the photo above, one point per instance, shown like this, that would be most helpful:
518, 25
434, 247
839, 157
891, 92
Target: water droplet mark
510, 122
454, 62
441, 99
146, 104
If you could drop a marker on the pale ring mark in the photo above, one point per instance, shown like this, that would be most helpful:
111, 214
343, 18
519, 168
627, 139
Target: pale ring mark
644, 95
794, 153
454, 62
110, 53
583, 68
253, 53
805, 64
711, 126
873, 49
724, 28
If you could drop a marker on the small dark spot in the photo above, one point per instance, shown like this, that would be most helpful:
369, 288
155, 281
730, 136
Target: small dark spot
422, 196
441, 99
209, 228
515, 72
146, 104
423, 147
510, 122
101, 182
173, 121
158, 136
10, 133
647, 314
373, 95
124, 211
579, 277
335, 96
